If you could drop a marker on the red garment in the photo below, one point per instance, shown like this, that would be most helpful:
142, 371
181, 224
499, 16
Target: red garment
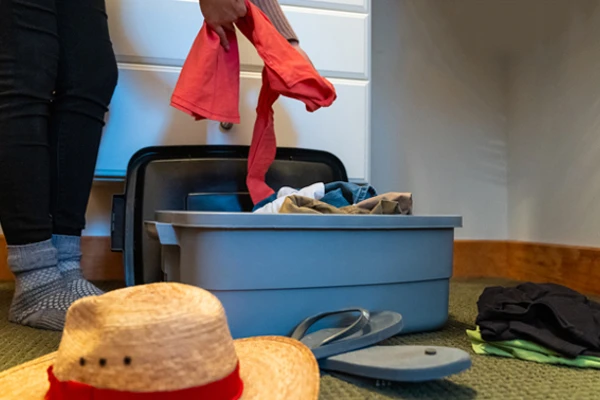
228, 388
209, 87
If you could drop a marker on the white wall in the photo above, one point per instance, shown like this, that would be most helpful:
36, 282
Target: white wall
554, 135
439, 116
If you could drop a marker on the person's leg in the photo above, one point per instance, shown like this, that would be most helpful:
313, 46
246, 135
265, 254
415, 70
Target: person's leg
29, 52
87, 75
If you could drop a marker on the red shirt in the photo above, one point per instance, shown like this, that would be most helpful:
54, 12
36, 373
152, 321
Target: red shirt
209, 87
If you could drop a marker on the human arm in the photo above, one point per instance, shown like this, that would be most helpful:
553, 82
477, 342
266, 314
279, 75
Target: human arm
273, 10
221, 14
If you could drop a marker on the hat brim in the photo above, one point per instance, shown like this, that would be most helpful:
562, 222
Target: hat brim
272, 367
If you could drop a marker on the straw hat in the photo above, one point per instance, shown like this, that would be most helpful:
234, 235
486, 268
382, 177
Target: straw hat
162, 341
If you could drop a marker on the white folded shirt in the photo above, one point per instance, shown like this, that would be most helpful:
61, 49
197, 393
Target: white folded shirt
315, 191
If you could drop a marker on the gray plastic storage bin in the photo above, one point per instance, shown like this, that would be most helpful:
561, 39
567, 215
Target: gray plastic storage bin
272, 271
198, 178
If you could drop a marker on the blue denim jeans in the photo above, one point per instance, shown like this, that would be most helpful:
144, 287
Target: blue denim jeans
342, 194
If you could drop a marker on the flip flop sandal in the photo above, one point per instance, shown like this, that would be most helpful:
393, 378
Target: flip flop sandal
400, 363
367, 330
351, 349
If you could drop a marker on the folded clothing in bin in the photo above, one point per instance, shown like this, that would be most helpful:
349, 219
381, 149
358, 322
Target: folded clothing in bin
272, 204
303, 205
208, 87
341, 194
336, 198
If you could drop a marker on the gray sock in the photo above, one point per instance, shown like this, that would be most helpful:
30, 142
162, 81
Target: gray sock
69, 265
41, 298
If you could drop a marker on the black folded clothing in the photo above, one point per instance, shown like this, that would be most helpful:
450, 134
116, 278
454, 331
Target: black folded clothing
551, 315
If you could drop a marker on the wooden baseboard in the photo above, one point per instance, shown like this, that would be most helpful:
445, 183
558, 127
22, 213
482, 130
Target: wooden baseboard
575, 267
571, 266
5, 274
480, 259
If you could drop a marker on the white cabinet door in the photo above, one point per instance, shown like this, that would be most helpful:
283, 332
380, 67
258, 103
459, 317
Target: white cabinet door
337, 43
162, 31
140, 116
346, 5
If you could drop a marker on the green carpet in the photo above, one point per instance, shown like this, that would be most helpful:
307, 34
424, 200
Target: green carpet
489, 378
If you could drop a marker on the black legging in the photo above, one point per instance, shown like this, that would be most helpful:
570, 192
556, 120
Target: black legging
57, 76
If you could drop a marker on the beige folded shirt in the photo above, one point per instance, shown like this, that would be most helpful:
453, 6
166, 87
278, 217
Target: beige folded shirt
391, 205
404, 200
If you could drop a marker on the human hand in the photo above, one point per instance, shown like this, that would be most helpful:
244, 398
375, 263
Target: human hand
220, 16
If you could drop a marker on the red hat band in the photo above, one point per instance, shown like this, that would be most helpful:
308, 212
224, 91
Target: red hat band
228, 388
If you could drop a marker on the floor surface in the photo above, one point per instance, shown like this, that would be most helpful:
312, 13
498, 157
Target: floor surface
489, 378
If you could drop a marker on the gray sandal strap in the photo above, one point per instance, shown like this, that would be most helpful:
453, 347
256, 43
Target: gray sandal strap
356, 326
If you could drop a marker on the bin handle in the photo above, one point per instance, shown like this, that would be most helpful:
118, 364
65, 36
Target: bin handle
117, 230
165, 233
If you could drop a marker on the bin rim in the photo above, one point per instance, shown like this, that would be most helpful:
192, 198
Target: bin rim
225, 220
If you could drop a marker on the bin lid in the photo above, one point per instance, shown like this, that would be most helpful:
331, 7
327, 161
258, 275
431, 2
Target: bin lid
245, 221
180, 178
